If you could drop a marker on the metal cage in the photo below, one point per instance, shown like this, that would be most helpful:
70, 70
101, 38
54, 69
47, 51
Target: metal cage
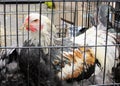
70, 17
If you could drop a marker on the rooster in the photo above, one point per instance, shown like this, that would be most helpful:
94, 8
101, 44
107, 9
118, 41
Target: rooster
33, 62
70, 58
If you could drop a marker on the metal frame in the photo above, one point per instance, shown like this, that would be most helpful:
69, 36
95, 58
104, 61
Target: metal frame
17, 2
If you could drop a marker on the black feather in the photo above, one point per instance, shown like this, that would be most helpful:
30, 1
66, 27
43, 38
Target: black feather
116, 73
36, 68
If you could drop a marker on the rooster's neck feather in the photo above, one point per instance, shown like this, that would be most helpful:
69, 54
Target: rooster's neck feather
42, 39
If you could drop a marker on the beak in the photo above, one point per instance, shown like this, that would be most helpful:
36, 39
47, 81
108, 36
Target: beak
22, 28
25, 25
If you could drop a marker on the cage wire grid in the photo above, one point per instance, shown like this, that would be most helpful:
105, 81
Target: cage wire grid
71, 18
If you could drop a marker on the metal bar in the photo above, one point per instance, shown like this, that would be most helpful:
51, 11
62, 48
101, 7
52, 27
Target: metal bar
42, 1
38, 78
21, 47
17, 40
21, 1
5, 24
110, 84
10, 26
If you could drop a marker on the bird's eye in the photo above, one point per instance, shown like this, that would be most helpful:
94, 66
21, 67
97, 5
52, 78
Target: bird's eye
36, 20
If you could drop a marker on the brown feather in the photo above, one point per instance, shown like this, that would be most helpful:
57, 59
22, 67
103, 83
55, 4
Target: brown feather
77, 58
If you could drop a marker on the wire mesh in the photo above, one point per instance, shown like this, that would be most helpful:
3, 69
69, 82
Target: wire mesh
71, 19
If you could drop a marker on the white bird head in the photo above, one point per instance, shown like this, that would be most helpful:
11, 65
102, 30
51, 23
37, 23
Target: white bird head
32, 23
40, 27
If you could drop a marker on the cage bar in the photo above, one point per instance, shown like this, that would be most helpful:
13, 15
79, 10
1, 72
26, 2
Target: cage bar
72, 18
